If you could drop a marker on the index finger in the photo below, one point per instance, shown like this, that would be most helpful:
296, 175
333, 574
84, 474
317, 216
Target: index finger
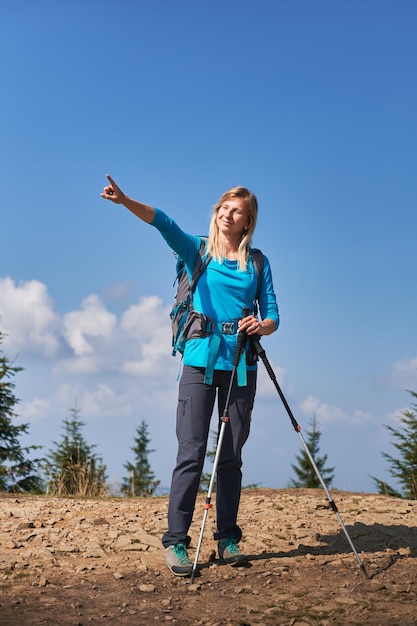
111, 181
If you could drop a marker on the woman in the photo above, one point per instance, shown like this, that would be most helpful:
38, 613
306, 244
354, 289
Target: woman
228, 285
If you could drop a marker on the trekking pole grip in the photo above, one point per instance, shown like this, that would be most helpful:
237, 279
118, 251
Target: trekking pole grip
241, 339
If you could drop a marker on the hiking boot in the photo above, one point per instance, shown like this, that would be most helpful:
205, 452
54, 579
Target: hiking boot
230, 553
176, 558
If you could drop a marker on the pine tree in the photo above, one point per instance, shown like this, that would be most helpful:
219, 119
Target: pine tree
141, 480
17, 472
306, 476
72, 468
403, 469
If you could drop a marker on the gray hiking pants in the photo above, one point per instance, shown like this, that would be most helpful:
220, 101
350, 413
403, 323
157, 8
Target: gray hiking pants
195, 407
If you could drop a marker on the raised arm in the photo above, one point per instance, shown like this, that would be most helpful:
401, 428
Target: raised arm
115, 194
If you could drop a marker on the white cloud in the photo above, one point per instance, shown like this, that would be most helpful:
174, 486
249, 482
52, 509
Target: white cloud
359, 416
28, 318
119, 292
109, 364
325, 413
403, 374
34, 410
265, 387
147, 326
137, 344
83, 327
103, 399
398, 415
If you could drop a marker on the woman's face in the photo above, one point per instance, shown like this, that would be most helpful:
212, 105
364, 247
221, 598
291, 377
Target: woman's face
232, 216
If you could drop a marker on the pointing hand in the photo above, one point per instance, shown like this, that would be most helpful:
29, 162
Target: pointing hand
112, 191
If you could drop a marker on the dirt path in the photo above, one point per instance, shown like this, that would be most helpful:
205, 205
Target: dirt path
67, 562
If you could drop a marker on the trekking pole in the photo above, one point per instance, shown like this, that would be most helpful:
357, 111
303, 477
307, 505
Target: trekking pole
241, 340
261, 353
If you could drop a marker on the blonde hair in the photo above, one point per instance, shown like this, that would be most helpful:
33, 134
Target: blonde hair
214, 246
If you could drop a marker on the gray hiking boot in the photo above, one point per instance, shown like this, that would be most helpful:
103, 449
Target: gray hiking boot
176, 558
230, 553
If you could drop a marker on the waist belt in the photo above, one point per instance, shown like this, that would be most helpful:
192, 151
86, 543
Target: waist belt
225, 328
217, 329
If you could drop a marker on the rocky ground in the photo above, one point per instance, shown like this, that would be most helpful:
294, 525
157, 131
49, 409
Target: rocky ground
72, 562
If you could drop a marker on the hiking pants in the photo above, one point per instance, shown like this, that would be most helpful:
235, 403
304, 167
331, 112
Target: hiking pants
195, 407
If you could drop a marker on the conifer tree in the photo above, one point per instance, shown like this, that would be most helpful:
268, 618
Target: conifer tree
306, 476
141, 480
404, 468
72, 468
17, 471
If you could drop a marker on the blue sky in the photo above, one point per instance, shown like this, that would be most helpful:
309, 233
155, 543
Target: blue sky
313, 106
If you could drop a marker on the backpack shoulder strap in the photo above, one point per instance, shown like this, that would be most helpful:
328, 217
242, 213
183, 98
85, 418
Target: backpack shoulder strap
201, 263
258, 261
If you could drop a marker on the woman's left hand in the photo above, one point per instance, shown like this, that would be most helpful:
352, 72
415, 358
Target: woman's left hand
250, 325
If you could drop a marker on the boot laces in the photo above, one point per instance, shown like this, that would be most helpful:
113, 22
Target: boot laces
232, 548
181, 553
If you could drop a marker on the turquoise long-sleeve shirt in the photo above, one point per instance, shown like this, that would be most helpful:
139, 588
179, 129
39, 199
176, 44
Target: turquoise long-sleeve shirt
222, 291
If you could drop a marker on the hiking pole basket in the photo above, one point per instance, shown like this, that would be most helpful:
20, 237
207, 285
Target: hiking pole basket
241, 340
260, 352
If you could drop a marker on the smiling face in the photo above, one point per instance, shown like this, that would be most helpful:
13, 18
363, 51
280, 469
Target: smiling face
232, 217
232, 225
